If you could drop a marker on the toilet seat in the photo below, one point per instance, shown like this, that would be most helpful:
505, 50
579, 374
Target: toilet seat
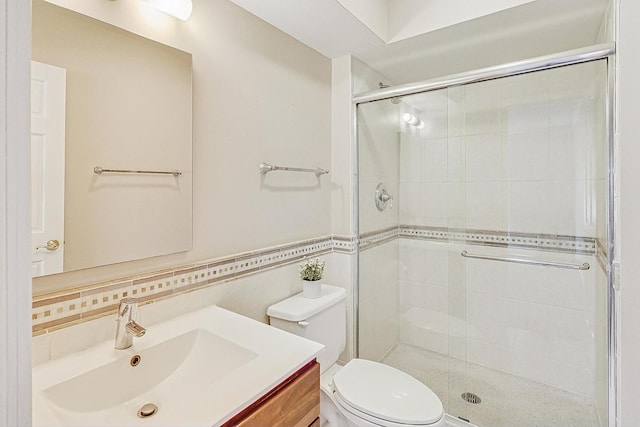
385, 396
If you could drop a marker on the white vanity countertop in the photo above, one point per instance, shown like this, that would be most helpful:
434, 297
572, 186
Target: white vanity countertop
252, 359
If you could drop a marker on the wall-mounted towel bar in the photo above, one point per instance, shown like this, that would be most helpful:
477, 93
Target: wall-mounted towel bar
584, 266
99, 170
264, 168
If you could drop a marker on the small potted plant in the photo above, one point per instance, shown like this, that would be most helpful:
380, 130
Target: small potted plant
311, 273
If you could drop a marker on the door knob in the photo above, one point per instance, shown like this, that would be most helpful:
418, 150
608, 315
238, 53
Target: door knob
51, 245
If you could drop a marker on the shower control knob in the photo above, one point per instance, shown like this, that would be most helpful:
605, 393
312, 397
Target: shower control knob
382, 198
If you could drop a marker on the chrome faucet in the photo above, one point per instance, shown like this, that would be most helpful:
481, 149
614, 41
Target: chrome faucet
127, 328
382, 198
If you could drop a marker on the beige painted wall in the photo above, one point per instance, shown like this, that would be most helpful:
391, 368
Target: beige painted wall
128, 107
258, 95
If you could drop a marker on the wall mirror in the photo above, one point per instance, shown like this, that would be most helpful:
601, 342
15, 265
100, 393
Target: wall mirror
105, 97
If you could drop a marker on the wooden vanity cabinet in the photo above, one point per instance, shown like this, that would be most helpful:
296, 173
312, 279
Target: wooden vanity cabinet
293, 403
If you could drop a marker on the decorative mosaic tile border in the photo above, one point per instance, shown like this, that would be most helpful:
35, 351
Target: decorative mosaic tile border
51, 312
55, 312
547, 242
344, 244
378, 237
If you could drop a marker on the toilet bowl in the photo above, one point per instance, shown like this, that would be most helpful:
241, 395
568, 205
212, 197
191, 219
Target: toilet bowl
366, 393
361, 393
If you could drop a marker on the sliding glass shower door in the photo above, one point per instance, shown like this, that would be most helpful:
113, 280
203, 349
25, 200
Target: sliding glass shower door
485, 277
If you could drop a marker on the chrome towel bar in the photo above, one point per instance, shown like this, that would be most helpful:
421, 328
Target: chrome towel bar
264, 168
99, 170
584, 266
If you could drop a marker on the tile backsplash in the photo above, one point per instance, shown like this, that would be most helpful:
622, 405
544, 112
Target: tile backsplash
51, 312
55, 311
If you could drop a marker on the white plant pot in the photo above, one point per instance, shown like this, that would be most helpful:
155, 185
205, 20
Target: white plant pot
311, 289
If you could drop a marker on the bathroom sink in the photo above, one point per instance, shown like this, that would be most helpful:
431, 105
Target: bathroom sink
160, 372
198, 369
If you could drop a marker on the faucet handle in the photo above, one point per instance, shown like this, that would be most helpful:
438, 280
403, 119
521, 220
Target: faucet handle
127, 328
383, 198
128, 305
134, 329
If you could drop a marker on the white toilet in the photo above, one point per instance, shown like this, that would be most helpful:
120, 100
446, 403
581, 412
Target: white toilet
361, 393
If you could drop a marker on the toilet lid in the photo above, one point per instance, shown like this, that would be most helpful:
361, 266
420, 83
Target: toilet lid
386, 393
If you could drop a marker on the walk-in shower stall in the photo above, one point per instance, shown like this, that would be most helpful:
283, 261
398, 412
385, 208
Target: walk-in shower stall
484, 218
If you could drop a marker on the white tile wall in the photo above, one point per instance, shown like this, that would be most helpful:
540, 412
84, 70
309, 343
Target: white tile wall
534, 322
483, 156
379, 300
379, 159
484, 201
527, 155
482, 102
412, 158
435, 197
411, 204
528, 148
434, 160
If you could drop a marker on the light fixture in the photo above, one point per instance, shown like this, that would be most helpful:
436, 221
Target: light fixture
412, 120
181, 9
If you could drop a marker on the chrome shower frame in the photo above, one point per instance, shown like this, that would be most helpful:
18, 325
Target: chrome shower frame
605, 51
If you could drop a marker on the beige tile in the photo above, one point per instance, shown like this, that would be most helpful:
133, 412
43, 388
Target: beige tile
82, 336
55, 300
40, 349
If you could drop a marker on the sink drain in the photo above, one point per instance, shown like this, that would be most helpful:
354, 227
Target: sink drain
471, 398
147, 410
135, 360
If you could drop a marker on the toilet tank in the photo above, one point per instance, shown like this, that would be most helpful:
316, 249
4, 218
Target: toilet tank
322, 320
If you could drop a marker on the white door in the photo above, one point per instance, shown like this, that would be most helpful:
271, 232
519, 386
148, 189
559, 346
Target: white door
48, 96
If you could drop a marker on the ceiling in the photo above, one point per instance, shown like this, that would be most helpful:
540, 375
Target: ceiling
521, 30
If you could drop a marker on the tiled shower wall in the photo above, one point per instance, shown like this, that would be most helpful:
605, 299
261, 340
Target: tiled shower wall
379, 300
518, 154
533, 322
522, 154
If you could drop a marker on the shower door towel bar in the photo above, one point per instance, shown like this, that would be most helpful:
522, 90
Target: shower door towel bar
99, 170
264, 168
584, 266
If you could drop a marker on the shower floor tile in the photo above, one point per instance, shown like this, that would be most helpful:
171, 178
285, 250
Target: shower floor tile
507, 401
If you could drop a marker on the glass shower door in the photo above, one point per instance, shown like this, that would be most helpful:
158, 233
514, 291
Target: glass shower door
481, 175
378, 225
533, 199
